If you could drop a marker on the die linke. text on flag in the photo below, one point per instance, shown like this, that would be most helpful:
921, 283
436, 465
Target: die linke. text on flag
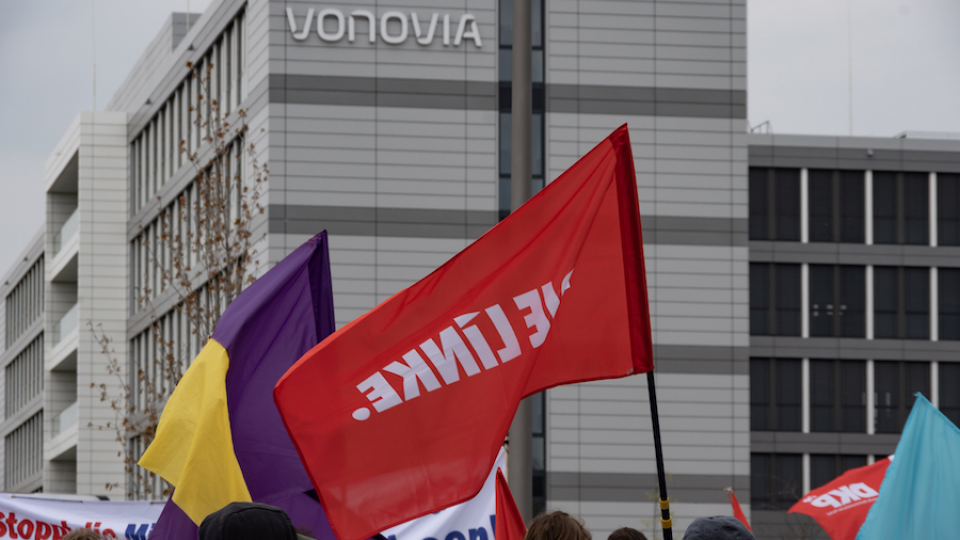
401, 413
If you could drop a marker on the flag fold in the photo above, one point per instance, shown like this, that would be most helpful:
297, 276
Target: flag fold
220, 438
402, 412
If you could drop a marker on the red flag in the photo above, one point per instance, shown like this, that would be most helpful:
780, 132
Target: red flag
841, 506
737, 511
402, 412
509, 523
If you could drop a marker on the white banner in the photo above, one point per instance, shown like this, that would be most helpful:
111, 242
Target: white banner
472, 520
35, 517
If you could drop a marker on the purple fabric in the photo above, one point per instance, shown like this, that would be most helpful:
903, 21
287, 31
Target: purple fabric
174, 524
265, 330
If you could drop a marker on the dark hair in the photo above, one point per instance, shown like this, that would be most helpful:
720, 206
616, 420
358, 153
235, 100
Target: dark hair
557, 526
626, 533
82, 534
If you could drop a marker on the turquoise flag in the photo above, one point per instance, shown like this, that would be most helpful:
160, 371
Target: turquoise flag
920, 495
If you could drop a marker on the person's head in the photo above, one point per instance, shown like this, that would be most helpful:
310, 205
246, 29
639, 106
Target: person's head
557, 526
82, 534
242, 521
626, 533
717, 528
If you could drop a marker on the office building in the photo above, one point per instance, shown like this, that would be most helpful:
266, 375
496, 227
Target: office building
390, 128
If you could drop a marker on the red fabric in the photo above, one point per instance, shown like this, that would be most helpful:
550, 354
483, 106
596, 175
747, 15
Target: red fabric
841, 506
737, 511
554, 294
509, 524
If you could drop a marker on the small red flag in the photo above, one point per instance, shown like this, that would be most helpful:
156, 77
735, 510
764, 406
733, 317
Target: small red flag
509, 525
402, 412
841, 506
737, 511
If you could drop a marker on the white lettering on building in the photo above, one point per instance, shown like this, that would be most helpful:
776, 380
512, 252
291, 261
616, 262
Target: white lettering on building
452, 353
394, 27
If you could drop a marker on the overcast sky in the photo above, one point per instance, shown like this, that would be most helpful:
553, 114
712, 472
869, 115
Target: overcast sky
906, 75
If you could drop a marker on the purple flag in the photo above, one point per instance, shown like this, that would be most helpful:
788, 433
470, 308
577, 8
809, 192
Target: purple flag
266, 330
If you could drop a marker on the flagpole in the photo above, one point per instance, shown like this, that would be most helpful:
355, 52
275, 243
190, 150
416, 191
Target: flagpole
665, 520
520, 467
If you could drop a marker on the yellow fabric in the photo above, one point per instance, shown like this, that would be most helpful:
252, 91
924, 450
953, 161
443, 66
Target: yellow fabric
193, 449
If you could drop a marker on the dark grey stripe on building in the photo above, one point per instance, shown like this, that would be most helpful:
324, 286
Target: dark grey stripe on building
646, 101
854, 348
901, 159
433, 223
701, 360
478, 95
859, 254
786, 442
626, 487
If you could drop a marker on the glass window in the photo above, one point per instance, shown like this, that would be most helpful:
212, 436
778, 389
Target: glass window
948, 209
916, 208
776, 481
787, 299
949, 303
759, 204
821, 205
901, 302
787, 196
824, 468
901, 208
838, 396
949, 383
916, 295
837, 296
851, 207
775, 299
895, 385
775, 395
884, 207
538, 431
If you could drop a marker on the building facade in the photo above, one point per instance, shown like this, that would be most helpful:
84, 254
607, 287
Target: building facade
389, 126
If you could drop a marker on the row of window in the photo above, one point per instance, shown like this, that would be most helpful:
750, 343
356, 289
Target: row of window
175, 238
23, 377
23, 452
838, 301
776, 480
539, 102
24, 303
837, 397
837, 204
214, 89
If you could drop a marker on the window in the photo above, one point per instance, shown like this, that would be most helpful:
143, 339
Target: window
23, 377
949, 303
949, 378
948, 209
539, 102
776, 481
774, 299
838, 396
24, 303
775, 394
837, 296
836, 206
901, 210
774, 204
539, 452
901, 302
895, 385
824, 468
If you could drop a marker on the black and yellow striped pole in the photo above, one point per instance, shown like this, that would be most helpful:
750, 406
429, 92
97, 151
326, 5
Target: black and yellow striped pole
665, 520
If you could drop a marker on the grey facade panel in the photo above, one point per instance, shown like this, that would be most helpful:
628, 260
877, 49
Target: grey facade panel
703, 360
786, 442
838, 156
859, 254
854, 348
620, 487
432, 223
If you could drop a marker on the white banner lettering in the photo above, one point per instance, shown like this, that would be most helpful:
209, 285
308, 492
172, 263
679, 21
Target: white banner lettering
35, 517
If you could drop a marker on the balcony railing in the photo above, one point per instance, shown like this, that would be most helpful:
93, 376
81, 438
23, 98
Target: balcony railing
66, 232
66, 324
65, 419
